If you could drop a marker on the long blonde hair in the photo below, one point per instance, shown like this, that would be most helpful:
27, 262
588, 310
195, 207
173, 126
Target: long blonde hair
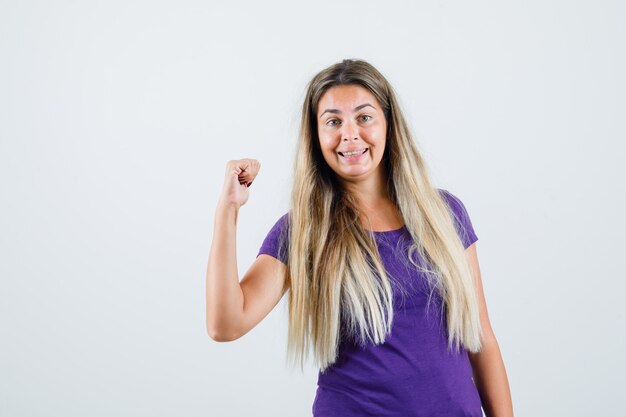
335, 273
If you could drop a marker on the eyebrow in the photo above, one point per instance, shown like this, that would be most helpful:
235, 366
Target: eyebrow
357, 108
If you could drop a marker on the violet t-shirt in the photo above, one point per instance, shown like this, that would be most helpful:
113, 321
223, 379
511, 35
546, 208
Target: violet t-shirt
412, 373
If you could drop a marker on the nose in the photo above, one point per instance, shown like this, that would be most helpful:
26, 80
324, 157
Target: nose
349, 131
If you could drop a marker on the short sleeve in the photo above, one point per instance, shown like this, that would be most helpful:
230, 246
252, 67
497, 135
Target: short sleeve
276, 243
461, 218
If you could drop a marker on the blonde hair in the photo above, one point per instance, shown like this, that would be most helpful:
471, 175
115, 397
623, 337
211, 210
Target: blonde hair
335, 273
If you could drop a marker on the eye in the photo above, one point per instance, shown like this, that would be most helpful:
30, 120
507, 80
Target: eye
332, 122
366, 118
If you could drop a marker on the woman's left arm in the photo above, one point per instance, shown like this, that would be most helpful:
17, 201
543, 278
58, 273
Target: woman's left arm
487, 365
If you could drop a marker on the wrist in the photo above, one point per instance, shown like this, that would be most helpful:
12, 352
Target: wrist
227, 207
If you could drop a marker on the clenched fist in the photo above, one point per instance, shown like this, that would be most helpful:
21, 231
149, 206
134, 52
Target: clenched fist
239, 176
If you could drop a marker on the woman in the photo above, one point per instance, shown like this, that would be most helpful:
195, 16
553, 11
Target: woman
367, 248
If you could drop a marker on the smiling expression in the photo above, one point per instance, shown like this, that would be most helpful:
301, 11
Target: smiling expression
352, 131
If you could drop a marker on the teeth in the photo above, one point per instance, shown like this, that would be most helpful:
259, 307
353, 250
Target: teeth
354, 152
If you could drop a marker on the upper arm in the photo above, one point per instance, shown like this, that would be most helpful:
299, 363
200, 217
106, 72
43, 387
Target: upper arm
263, 285
472, 259
465, 230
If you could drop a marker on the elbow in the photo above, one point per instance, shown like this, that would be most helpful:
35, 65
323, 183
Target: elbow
489, 341
221, 335
489, 347
222, 325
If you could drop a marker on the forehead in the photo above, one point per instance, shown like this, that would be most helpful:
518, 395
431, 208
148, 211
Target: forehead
345, 98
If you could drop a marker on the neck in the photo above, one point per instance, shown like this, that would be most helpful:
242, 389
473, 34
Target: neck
371, 192
376, 209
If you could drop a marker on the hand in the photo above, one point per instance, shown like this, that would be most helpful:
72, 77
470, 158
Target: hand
239, 177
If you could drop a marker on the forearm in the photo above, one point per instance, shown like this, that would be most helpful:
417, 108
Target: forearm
224, 298
491, 380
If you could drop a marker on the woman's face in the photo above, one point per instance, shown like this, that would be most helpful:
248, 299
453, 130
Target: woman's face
352, 131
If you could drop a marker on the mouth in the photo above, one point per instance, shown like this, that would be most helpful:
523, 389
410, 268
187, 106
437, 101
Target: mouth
353, 154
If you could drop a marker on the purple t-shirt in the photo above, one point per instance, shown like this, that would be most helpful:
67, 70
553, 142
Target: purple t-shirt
412, 373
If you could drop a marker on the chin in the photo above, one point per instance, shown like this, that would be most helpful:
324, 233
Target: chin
352, 174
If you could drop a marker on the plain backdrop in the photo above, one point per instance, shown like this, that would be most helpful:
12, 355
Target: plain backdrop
117, 119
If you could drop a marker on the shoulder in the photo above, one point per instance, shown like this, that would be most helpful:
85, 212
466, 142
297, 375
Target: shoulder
448, 196
282, 224
277, 240
280, 228
454, 203
461, 217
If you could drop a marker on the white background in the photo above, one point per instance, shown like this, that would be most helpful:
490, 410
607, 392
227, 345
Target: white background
116, 122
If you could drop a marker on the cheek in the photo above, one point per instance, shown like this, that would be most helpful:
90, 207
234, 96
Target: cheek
327, 144
381, 138
380, 133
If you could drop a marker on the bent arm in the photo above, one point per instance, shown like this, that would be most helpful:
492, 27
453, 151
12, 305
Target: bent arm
224, 297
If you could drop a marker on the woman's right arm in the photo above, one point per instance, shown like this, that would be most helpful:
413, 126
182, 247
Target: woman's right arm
233, 307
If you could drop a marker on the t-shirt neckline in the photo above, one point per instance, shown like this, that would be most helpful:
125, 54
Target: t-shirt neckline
384, 232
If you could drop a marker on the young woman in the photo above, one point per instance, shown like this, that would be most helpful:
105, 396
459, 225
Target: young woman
381, 266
